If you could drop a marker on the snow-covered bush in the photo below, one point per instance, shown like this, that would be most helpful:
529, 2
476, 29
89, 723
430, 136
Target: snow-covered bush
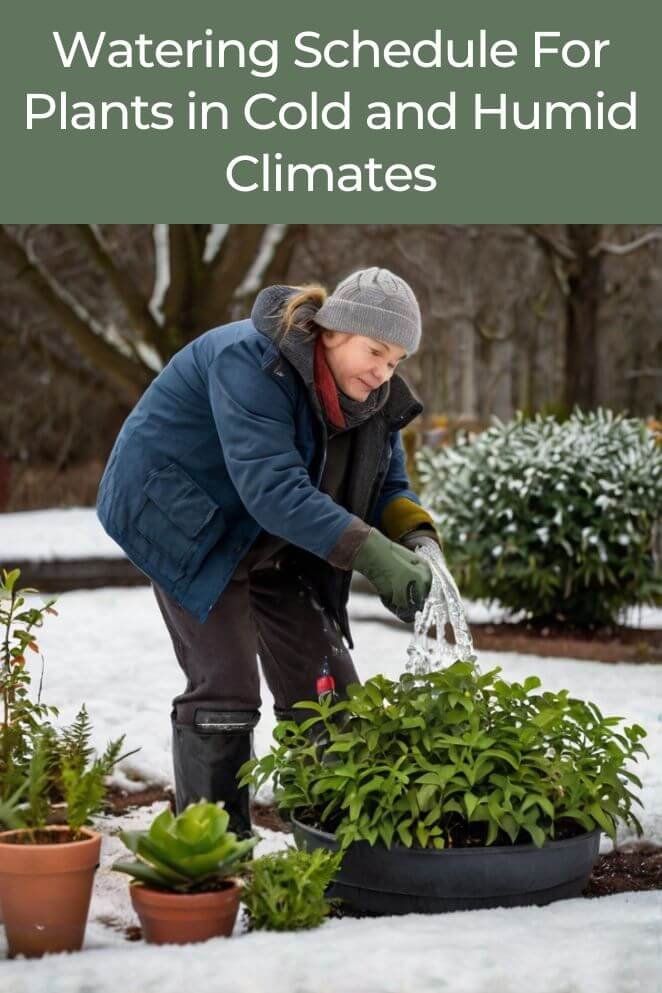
560, 520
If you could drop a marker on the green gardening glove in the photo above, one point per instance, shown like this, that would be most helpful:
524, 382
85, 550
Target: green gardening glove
401, 578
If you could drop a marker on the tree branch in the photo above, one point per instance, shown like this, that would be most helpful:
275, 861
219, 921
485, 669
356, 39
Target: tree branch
548, 240
177, 300
631, 246
72, 317
233, 260
137, 308
277, 268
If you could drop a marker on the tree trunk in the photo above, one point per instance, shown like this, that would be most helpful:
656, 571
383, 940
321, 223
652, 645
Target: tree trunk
585, 288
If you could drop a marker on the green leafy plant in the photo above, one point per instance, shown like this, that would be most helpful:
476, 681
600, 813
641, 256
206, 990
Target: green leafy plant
39, 764
285, 891
62, 765
560, 520
451, 759
83, 776
190, 853
22, 716
77, 775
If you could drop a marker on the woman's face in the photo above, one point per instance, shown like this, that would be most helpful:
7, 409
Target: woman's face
360, 365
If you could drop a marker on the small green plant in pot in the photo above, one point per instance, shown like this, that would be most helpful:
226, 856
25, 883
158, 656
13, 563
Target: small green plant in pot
185, 885
46, 868
286, 891
47, 871
455, 760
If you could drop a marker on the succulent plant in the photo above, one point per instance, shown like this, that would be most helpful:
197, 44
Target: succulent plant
188, 853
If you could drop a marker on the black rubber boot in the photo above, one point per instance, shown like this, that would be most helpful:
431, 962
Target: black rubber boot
206, 758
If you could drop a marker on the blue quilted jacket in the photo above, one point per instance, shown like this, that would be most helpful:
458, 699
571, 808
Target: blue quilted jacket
228, 440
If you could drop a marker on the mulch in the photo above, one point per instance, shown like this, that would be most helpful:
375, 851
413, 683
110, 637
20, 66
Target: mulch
612, 644
632, 867
629, 868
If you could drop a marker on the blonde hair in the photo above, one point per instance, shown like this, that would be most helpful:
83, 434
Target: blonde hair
301, 307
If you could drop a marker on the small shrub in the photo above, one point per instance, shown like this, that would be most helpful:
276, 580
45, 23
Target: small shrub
559, 520
285, 890
451, 759
22, 717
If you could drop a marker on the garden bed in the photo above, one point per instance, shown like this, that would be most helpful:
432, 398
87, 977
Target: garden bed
617, 644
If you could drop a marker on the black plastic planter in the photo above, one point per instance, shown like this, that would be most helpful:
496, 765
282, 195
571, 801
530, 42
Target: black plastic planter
402, 880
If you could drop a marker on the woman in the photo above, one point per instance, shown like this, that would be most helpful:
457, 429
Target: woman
260, 468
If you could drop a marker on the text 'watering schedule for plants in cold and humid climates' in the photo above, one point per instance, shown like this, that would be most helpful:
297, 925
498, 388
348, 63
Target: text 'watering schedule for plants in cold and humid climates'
480, 111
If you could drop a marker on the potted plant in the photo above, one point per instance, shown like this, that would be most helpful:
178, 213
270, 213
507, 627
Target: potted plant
454, 790
183, 890
47, 871
286, 891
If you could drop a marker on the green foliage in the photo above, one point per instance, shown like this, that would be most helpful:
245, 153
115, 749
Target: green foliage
423, 761
285, 890
81, 773
74, 743
556, 519
21, 716
39, 764
62, 766
190, 853
40, 774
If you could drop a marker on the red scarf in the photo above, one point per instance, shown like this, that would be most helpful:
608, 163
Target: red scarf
326, 388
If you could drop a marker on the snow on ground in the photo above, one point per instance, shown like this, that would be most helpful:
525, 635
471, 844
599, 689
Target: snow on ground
609, 945
62, 533
109, 648
76, 533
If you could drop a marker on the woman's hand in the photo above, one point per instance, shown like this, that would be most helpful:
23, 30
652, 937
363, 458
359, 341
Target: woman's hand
401, 578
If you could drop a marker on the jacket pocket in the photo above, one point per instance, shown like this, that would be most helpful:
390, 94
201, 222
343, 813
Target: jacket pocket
180, 519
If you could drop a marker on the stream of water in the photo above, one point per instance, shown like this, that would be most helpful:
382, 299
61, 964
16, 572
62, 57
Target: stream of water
429, 648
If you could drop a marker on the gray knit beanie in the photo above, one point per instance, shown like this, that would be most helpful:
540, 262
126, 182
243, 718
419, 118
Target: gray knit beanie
376, 303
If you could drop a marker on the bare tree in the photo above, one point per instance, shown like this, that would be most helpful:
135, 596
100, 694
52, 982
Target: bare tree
201, 275
576, 255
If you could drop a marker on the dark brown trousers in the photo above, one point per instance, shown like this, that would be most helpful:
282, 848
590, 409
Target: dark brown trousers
269, 608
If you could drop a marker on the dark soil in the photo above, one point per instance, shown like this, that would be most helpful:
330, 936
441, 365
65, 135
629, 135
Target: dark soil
611, 644
268, 817
119, 801
629, 868
475, 835
42, 836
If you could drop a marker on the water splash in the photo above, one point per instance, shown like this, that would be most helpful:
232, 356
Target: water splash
443, 606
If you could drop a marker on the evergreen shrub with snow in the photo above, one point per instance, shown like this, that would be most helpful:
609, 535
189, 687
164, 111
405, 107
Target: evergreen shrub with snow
560, 520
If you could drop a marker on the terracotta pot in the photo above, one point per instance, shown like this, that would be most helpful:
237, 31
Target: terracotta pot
179, 918
45, 890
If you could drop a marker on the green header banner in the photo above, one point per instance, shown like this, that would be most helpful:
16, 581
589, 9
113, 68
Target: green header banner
480, 111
